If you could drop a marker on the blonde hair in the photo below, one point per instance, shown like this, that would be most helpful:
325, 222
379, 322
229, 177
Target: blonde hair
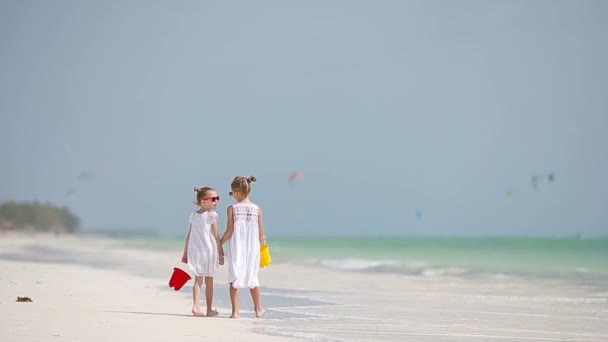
242, 184
201, 193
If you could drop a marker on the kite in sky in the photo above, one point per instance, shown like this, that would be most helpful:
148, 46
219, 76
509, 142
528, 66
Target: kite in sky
295, 176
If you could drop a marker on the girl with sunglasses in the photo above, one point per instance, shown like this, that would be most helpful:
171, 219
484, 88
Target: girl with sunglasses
244, 233
203, 251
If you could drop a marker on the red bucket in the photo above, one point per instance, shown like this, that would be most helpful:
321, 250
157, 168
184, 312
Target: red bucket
179, 278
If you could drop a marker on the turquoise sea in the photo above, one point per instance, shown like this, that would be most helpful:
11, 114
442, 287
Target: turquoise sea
579, 259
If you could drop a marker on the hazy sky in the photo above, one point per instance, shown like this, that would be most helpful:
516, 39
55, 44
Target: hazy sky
386, 106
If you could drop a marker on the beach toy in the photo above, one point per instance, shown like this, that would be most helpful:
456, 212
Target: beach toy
265, 259
179, 278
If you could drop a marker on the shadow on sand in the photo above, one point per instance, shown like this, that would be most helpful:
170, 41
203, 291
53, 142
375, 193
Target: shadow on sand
159, 314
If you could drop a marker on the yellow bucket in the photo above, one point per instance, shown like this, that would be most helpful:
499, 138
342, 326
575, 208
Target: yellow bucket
265, 259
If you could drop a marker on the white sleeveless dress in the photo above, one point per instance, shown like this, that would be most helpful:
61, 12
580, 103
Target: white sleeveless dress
203, 257
244, 247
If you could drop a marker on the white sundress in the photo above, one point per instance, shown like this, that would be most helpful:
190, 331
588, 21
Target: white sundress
244, 247
203, 258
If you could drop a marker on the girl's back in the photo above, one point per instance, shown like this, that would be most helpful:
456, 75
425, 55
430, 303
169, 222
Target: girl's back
244, 245
202, 247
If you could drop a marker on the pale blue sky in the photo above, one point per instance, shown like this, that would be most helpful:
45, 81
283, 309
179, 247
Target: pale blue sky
386, 106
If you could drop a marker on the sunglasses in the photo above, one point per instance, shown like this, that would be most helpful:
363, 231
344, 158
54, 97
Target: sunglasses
215, 198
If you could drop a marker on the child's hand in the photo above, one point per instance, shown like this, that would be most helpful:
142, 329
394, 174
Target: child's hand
185, 258
221, 258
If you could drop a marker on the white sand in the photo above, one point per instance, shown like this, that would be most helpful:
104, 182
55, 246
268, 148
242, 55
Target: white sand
127, 299
80, 303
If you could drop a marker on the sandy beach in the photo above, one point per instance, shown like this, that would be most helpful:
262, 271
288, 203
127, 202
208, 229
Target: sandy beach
98, 289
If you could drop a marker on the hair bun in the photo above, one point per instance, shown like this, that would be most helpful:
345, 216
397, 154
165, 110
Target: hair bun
196, 189
251, 179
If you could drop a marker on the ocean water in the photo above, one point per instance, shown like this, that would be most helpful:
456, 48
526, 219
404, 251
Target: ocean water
577, 259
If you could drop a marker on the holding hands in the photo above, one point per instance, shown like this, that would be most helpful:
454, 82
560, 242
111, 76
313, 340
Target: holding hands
221, 259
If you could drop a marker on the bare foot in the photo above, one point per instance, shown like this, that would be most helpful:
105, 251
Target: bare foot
259, 312
234, 315
197, 312
212, 313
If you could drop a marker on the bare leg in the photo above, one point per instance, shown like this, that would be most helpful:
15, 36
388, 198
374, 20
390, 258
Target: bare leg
209, 296
196, 296
234, 299
257, 305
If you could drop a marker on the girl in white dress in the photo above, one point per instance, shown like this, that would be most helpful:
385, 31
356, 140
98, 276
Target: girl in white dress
203, 251
244, 233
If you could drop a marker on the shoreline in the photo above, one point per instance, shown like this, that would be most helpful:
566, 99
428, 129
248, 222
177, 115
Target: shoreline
285, 252
124, 290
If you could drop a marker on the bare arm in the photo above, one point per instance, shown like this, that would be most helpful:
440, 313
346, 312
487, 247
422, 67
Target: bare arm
216, 235
261, 226
230, 227
185, 255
